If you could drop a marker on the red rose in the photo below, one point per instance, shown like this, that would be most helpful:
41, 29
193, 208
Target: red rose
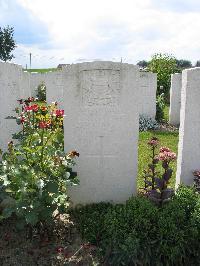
22, 120
35, 108
43, 124
59, 113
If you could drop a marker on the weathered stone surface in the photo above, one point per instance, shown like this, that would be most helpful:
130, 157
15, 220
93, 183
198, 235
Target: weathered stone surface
10, 83
189, 132
175, 99
100, 101
147, 93
55, 83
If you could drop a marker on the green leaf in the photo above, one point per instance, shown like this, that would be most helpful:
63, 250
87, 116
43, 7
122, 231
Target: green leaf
31, 218
52, 187
28, 149
20, 224
7, 212
60, 137
46, 214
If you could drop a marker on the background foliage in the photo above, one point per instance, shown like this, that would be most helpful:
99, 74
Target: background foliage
164, 65
7, 43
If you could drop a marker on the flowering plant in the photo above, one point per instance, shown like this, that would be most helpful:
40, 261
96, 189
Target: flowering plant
35, 171
156, 184
196, 174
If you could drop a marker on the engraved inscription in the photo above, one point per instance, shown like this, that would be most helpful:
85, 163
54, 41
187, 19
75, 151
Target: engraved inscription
100, 87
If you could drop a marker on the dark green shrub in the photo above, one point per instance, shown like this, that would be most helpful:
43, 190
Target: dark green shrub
90, 221
140, 233
179, 242
130, 230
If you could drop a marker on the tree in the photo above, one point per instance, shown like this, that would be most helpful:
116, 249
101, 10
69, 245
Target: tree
142, 63
164, 65
7, 43
182, 64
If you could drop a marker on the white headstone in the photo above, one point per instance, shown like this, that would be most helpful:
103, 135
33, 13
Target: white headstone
10, 83
101, 123
189, 132
175, 99
147, 93
25, 90
36, 79
55, 84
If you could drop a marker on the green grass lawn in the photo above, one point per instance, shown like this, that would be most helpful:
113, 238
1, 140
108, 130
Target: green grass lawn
166, 113
169, 139
41, 70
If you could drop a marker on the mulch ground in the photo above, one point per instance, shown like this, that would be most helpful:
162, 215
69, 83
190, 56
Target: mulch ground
166, 127
62, 246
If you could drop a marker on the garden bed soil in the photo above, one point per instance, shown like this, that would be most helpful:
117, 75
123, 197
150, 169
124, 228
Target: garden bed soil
62, 246
166, 127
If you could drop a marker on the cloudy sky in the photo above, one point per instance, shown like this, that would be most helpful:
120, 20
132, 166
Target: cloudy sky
70, 31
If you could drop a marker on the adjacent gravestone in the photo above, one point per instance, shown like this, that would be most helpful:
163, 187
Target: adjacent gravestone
55, 83
10, 83
175, 99
148, 87
36, 79
101, 123
189, 132
25, 90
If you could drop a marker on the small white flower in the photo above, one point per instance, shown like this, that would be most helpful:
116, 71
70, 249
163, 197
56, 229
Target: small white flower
40, 183
67, 175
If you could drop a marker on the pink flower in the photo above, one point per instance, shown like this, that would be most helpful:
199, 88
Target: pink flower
165, 149
31, 99
167, 156
196, 173
153, 142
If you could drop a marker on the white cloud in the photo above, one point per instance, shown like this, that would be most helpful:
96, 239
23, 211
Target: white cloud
109, 28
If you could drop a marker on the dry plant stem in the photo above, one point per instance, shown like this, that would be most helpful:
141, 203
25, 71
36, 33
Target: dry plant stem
153, 168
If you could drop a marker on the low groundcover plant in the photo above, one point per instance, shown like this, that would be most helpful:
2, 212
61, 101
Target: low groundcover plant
147, 123
141, 233
35, 171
